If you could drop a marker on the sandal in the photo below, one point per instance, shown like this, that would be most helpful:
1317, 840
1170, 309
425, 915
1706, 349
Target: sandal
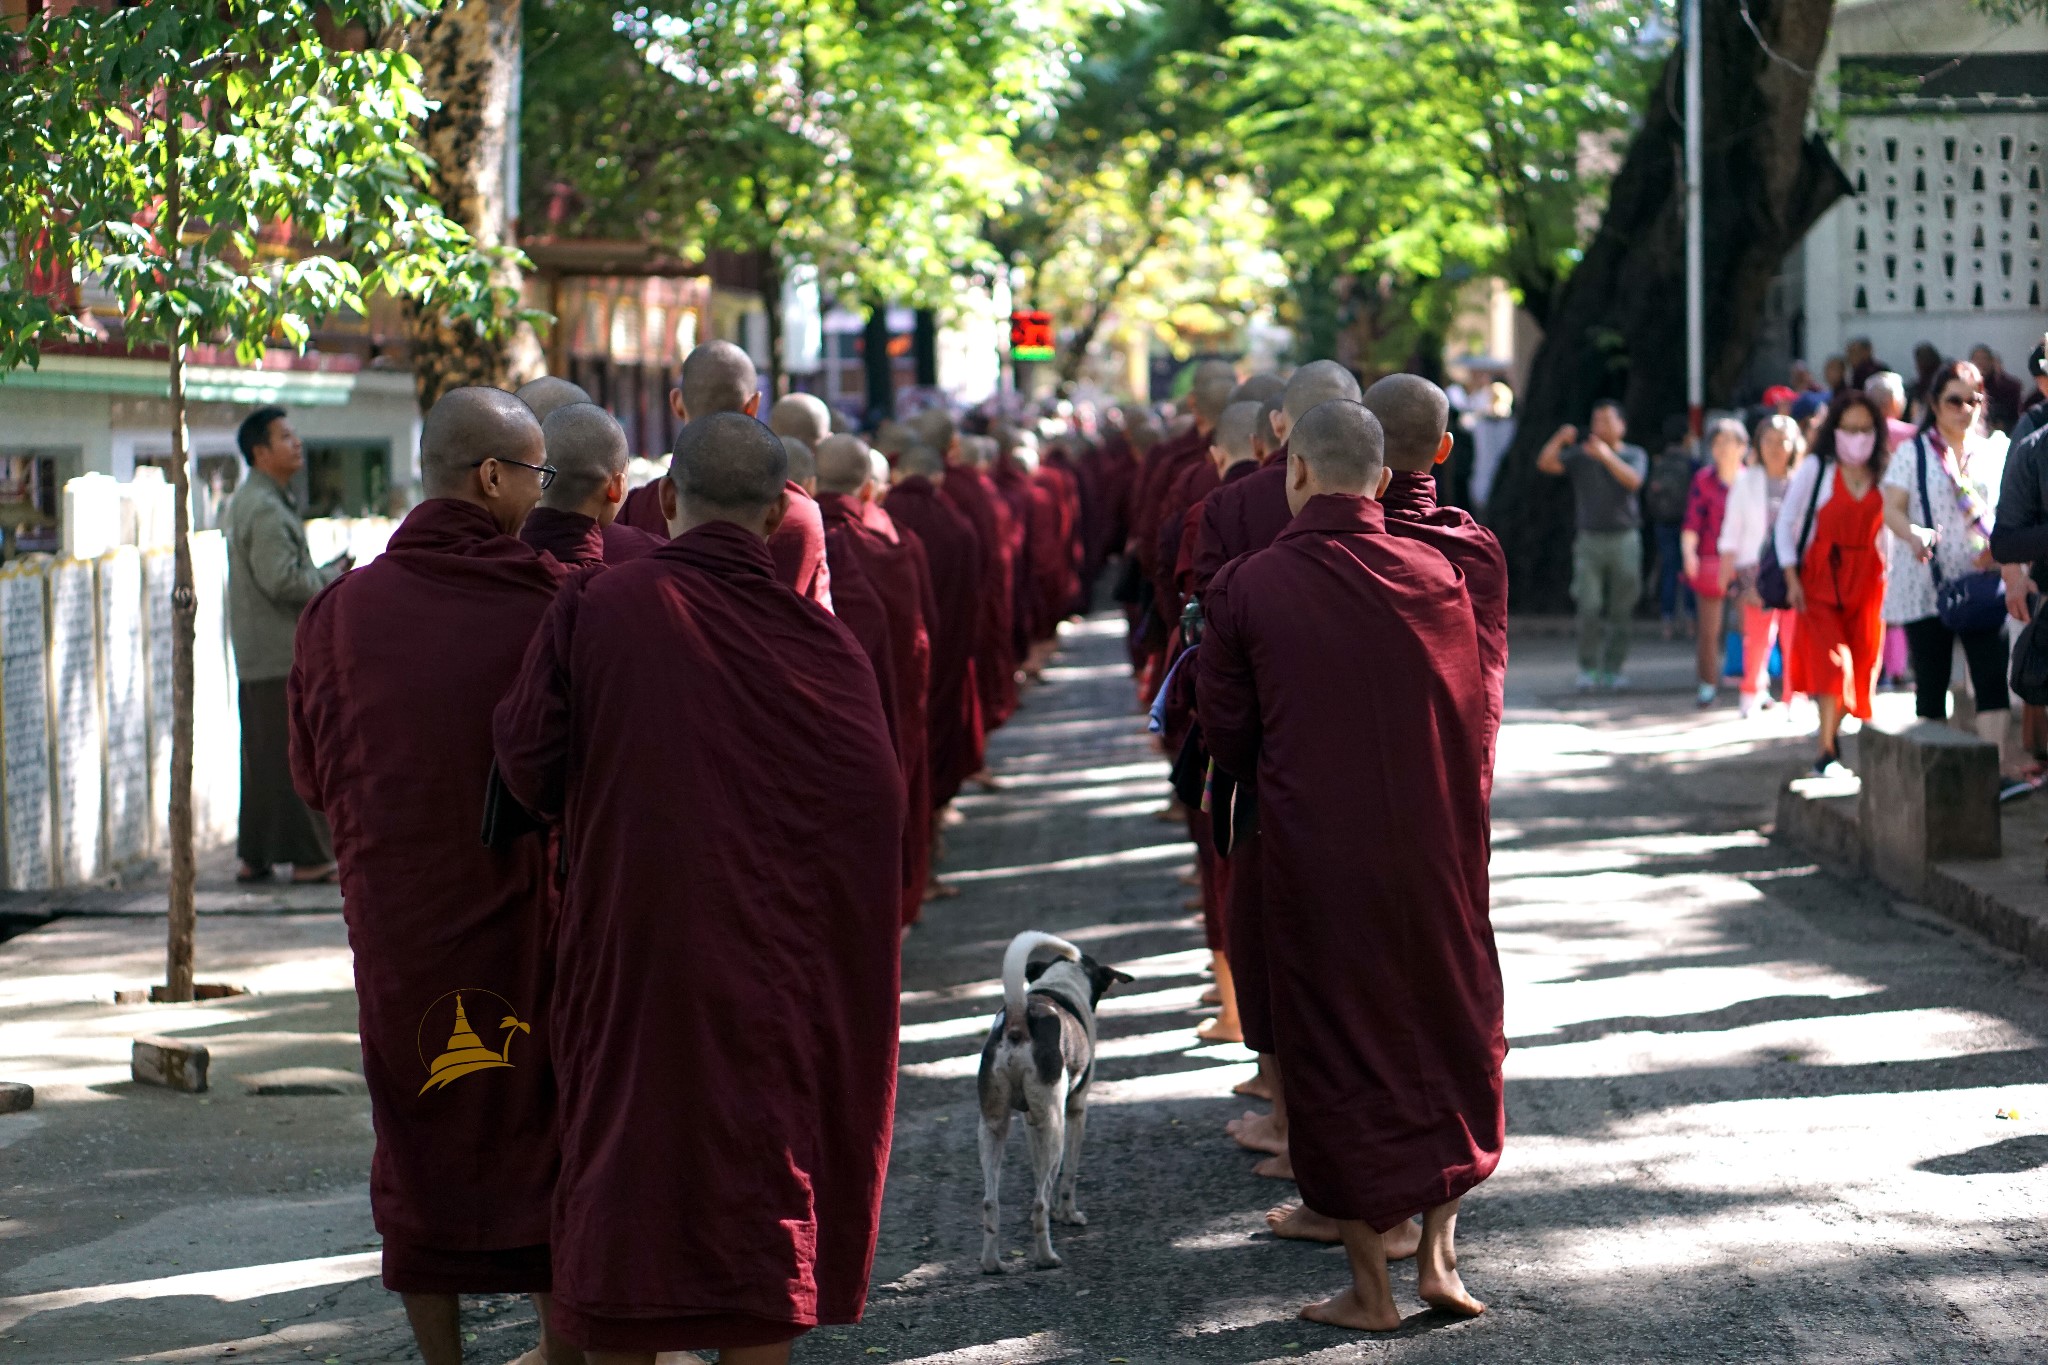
249, 876
330, 873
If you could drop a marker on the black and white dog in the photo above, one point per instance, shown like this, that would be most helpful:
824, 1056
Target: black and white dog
1039, 1061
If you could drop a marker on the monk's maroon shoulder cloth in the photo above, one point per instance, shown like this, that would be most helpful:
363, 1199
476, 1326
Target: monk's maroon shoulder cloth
397, 667
1340, 668
971, 493
716, 751
953, 558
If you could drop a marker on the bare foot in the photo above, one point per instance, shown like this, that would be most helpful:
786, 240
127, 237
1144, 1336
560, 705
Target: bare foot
1212, 996
1220, 1030
1443, 1289
1345, 1310
1279, 1167
1258, 1132
1172, 813
936, 890
987, 781
1300, 1223
1189, 878
1254, 1087
1192, 903
1402, 1242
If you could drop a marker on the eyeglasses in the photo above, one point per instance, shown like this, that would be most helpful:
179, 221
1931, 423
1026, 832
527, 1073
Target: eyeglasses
546, 471
1963, 400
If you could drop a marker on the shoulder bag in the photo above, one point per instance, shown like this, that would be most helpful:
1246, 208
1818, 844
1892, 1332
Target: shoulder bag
1972, 603
1770, 575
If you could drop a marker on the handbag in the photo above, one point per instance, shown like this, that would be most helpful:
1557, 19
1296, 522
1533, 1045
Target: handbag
1972, 603
1771, 589
2030, 659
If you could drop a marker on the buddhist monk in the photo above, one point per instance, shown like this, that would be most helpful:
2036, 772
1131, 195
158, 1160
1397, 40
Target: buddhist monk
1172, 458
576, 520
803, 465
1236, 520
968, 488
545, 394
894, 563
720, 377
954, 557
396, 669
803, 416
1053, 579
1341, 667
726, 956
1414, 416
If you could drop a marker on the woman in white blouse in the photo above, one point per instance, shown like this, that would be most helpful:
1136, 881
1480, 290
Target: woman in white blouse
1944, 525
1752, 514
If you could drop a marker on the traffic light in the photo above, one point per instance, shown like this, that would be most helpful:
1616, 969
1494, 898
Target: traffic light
1031, 335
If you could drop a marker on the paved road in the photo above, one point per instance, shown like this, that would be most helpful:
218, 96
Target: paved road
1752, 1107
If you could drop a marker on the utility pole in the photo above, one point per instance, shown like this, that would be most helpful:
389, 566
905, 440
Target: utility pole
1695, 237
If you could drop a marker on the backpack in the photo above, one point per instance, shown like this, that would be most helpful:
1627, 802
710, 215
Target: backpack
1670, 481
2030, 659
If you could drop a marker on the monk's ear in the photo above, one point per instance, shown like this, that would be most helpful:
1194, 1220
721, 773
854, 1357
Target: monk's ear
1443, 449
675, 405
1386, 478
615, 489
1297, 472
667, 497
776, 512
753, 404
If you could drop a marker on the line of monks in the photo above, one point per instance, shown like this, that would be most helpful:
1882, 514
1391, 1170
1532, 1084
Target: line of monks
634, 794
1324, 650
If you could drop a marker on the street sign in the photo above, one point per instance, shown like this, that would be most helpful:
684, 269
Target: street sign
1031, 335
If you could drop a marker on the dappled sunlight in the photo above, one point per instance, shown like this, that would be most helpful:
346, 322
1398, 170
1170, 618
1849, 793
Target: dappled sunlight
228, 1286
1837, 1040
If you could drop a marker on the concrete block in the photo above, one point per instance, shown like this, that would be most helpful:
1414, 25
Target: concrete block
303, 1080
1930, 794
15, 1097
172, 1063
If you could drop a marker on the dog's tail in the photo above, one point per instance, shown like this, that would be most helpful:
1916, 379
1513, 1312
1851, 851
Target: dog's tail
1014, 961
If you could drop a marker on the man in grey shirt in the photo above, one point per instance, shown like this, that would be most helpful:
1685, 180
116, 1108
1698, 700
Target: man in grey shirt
1607, 556
271, 578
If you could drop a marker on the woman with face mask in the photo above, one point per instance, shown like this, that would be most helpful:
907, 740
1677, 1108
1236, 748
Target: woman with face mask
1753, 505
1941, 532
1834, 575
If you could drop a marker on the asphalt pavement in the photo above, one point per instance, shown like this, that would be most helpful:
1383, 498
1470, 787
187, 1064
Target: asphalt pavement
1754, 1109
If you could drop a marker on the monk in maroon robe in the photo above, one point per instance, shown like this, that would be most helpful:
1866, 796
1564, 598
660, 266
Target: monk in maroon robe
1165, 466
968, 488
726, 951
858, 531
395, 671
954, 557
720, 377
1050, 551
1237, 520
1341, 667
576, 519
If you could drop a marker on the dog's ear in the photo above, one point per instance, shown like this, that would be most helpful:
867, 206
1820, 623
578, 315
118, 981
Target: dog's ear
1034, 970
1125, 977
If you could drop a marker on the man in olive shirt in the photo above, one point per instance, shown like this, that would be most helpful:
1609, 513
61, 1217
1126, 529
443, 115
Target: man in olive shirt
1607, 556
271, 577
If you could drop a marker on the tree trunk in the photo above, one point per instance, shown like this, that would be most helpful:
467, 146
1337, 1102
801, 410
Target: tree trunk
1618, 326
880, 369
183, 909
771, 301
469, 61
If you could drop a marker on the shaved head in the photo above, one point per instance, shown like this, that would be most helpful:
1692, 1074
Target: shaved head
1341, 443
728, 466
1259, 389
717, 377
471, 424
894, 437
1319, 381
1262, 430
1414, 414
547, 393
803, 464
843, 465
1233, 434
936, 428
1214, 384
919, 458
878, 468
587, 449
802, 415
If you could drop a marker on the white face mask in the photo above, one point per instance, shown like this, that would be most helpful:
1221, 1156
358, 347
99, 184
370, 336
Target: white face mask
1855, 447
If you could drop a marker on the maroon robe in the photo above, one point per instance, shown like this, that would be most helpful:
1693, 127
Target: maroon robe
1412, 511
622, 543
798, 544
895, 565
1116, 469
1189, 490
1013, 486
1242, 518
954, 559
1053, 580
727, 963
1340, 666
395, 671
1164, 466
578, 541
858, 602
972, 494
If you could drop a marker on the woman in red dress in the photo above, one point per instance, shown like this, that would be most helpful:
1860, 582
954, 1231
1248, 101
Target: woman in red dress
1834, 572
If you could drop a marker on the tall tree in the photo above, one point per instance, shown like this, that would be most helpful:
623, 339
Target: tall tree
164, 149
1618, 327
469, 54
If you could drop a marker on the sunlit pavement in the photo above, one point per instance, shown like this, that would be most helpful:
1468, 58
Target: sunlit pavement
1752, 1108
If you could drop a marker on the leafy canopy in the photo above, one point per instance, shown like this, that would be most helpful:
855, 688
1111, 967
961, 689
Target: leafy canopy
227, 170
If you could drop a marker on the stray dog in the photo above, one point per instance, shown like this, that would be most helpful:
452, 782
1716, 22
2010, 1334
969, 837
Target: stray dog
1039, 1060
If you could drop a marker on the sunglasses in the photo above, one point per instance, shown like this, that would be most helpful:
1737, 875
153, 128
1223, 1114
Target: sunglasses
546, 471
1963, 400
